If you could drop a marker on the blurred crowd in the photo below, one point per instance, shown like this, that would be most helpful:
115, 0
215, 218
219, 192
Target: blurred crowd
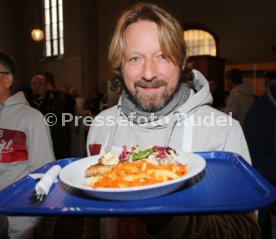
69, 140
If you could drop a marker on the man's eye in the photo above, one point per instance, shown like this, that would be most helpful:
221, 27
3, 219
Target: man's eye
134, 59
162, 57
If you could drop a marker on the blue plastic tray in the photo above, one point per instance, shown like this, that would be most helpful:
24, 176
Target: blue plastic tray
228, 184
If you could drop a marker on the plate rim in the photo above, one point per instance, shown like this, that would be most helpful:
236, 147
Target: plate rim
184, 178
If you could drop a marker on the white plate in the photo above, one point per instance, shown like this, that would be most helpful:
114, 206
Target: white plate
74, 176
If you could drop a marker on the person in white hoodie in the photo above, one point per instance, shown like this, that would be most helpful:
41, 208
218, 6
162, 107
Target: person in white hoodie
165, 103
25, 144
241, 95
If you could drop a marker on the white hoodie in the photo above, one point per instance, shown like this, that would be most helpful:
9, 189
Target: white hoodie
194, 127
26, 145
25, 139
239, 101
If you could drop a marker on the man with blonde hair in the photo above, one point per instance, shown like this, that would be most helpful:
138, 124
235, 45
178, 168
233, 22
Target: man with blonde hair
148, 55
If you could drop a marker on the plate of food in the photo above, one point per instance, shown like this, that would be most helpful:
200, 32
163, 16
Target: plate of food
133, 172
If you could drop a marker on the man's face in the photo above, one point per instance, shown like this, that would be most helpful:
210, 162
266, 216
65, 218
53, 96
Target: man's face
149, 76
39, 86
5, 84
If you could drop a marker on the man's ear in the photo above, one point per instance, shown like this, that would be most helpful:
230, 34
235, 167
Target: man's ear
8, 80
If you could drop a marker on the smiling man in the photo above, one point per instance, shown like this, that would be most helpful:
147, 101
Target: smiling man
161, 96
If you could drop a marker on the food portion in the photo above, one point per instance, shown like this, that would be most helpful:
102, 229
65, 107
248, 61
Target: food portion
135, 166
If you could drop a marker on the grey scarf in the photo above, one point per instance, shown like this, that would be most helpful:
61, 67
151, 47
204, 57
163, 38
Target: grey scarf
130, 109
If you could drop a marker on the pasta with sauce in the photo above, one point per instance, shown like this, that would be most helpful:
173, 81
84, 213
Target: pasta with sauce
129, 173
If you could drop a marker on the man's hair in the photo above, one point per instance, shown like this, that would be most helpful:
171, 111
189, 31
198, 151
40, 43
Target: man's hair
40, 75
7, 63
235, 76
171, 37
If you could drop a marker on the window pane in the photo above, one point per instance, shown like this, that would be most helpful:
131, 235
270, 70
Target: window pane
61, 45
55, 47
195, 50
47, 33
46, 4
48, 48
200, 42
61, 29
60, 13
47, 16
54, 14
201, 50
213, 50
54, 37
54, 30
54, 3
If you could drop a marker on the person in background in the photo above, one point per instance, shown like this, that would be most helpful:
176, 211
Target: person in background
241, 96
148, 53
25, 143
260, 132
48, 104
60, 93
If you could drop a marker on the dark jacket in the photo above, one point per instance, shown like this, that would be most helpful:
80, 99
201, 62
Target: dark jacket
51, 104
260, 132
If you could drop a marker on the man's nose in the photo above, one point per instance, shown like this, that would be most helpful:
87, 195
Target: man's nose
149, 70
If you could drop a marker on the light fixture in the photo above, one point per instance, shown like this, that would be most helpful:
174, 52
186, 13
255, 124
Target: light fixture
37, 34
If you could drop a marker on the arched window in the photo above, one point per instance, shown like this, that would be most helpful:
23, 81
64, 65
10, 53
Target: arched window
200, 42
53, 16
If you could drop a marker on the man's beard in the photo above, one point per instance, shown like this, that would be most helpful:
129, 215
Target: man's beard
149, 103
